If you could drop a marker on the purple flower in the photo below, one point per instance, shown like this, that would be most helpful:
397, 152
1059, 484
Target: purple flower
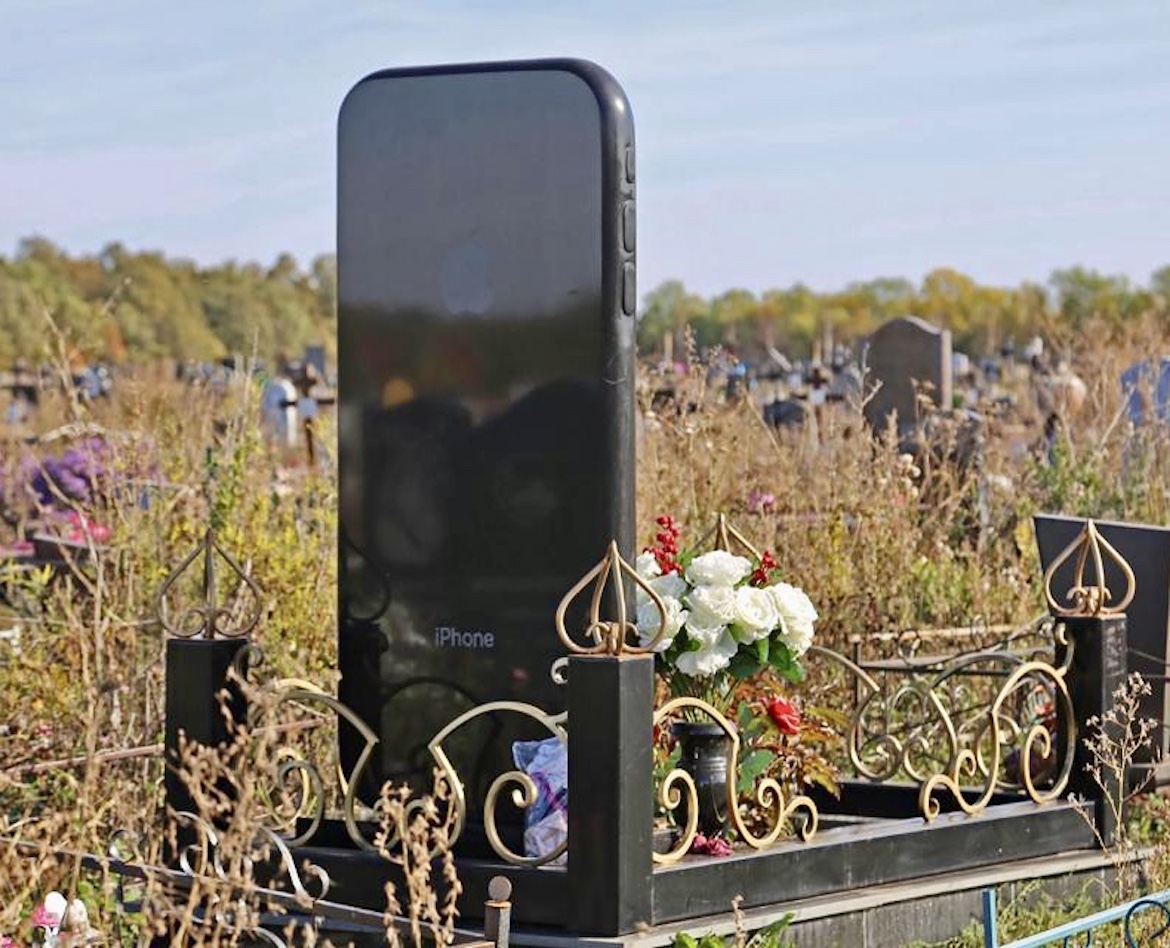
760, 502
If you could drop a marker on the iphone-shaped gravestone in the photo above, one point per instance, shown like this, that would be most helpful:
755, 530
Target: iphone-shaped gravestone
486, 382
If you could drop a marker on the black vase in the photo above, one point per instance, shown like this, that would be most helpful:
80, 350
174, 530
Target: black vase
705, 754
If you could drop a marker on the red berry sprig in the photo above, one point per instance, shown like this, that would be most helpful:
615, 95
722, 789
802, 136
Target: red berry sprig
761, 576
666, 552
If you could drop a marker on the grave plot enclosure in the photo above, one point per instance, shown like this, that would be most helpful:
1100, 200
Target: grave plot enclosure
966, 763
961, 764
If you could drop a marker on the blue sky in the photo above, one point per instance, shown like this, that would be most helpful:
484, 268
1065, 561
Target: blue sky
777, 141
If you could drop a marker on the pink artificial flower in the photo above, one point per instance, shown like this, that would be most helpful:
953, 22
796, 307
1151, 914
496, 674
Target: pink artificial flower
7, 942
43, 918
82, 526
761, 502
710, 846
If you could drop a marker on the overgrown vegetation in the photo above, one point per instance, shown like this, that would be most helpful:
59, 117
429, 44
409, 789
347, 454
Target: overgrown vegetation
82, 670
883, 541
880, 542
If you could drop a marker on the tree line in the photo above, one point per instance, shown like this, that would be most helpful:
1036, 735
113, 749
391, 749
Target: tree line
981, 318
119, 305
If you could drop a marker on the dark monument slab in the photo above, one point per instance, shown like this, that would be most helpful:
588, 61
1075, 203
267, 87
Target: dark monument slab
486, 381
904, 356
1146, 548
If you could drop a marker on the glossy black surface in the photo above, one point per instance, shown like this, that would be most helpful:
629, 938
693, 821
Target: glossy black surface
486, 391
705, 753
1147, 550
611, 794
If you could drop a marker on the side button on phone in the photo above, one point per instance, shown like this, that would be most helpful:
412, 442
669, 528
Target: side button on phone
629, 290
629, 226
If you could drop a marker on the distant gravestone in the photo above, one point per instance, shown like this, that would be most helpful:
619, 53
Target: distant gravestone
315, 356
1140, 383
1146, 549
846, 385
905, 355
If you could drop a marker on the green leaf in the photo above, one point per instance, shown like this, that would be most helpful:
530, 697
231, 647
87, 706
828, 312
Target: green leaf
753, 765
683, 940
744, 665
751, 723
773, 935
785, 664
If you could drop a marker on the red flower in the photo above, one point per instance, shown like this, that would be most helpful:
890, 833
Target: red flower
784, 714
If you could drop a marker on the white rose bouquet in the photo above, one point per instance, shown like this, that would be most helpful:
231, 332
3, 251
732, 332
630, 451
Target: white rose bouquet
727, 618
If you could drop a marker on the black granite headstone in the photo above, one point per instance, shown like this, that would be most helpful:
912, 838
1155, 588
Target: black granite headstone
1146, 549
486, 385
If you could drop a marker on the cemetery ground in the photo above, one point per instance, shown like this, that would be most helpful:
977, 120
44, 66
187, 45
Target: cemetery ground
884, 543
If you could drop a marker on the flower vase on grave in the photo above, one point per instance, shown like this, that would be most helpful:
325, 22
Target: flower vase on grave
705, 754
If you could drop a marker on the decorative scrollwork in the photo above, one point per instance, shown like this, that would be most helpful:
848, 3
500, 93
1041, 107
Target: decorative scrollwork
983, 719
1089, 599
767, 793
249, 660
299, 797
609, 637
524, 792
877, 750
291, 768
1002, 730
208, 618
203, 857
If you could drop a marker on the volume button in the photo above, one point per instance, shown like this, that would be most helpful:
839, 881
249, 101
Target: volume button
629, 226
629, 290
629, 164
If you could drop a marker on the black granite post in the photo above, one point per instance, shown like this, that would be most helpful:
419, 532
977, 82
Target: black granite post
611, 793
1098, 669
197, 671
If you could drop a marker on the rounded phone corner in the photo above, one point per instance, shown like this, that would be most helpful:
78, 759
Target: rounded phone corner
351, 93
605, 86
612, 100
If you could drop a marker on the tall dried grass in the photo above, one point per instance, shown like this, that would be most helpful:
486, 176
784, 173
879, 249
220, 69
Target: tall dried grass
880, 542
